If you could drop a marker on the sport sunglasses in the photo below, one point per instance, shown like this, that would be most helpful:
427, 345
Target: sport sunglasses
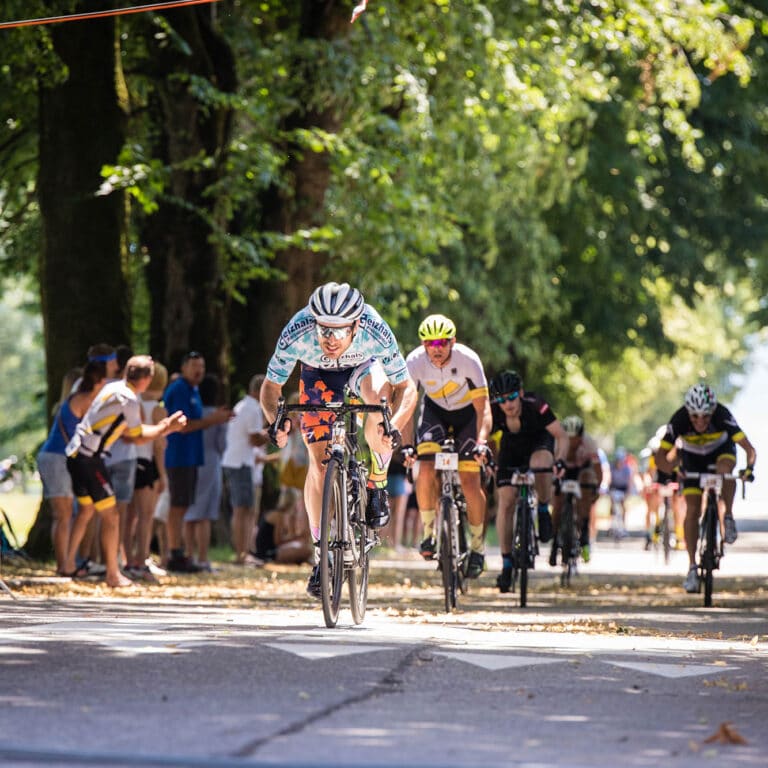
326, 331
437, 343
508, 398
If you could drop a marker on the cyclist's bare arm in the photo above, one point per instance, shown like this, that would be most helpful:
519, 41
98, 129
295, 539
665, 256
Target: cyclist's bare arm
404, 399
749, 449
269, 394
482, 406
561, 440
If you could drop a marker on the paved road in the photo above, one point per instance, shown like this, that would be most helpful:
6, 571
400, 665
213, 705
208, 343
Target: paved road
635, 673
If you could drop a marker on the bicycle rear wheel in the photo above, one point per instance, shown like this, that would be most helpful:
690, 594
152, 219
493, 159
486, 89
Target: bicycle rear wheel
448, 564
332, 541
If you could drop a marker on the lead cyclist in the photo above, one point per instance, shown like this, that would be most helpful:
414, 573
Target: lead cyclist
337, 338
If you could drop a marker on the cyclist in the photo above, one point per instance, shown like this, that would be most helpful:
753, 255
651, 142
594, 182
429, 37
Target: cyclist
337, 338
582, 463
621, 484
706, 434
528, 434
455, 399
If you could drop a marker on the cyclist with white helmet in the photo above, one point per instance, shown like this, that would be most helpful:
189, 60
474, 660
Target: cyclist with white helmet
337, 338
582, 463
455, 402
706, 434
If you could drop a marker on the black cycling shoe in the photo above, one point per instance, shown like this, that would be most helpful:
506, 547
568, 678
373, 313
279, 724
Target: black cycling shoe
553, 555
377, 510
427, 548
505, 581
314, 588
545, 525
476, 564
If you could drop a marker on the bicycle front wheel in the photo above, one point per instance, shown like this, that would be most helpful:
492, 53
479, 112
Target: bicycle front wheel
332, 541
448, 564
708, 559
666, 533
567, 541
522, 546
358, 575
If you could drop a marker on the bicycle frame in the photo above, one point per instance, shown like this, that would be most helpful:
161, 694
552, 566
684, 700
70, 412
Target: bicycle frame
711, 547
345, 539
524, 537
450, 528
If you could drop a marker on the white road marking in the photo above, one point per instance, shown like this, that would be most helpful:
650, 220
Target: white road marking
672, 670
499, 661
324, 650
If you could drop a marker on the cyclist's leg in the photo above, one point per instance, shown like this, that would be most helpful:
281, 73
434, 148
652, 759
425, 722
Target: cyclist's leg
505, 529
589, 485
543, 458
725, 464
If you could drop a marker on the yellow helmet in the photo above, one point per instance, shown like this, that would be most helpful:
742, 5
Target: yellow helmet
437, 327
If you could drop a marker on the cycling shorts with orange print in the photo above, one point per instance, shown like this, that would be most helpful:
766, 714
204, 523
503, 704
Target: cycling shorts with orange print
318, 386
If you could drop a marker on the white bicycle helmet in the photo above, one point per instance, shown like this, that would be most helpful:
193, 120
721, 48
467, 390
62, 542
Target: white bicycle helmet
573, 426
700, 400
336, 304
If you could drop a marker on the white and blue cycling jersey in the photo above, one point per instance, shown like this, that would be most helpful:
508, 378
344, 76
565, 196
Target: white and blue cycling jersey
299, 342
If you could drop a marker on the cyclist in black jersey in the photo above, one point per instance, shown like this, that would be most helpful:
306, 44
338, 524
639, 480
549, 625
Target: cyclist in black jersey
528, 435
705, 433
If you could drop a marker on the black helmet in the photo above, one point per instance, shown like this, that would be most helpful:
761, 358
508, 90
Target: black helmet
505, 382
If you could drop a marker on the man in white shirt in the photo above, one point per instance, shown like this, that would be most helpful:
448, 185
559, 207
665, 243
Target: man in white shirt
244, 431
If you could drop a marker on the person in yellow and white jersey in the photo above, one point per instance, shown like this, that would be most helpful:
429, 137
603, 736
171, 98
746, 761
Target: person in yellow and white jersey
115, 413
456, 402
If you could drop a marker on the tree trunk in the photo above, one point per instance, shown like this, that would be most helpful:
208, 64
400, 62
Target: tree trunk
270, 304
188, 306
82, 128
84, 294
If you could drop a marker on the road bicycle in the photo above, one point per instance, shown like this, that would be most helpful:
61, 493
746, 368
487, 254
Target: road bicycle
525, 546
711, 546
617, 531
568, 533
346, 540
451, 526
667, 491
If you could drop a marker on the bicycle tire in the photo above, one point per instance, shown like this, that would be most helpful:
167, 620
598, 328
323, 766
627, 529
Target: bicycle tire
358, 575
523, 526
710, 547
448, 566
566, 540
461, 570
666, 533
332, 541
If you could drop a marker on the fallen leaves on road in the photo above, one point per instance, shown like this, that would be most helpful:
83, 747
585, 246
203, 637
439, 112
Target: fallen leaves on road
725, 734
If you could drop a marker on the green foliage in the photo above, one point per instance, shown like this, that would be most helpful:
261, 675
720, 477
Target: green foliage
581, 185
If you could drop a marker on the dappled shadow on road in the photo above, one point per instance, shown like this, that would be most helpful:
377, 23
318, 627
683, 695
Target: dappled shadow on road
595, 603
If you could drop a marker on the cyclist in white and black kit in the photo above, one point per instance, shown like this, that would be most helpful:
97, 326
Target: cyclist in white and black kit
455, 402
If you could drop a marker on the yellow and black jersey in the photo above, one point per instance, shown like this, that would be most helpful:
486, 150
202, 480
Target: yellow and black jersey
721, 430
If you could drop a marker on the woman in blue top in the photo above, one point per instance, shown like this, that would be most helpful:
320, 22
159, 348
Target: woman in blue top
52, 461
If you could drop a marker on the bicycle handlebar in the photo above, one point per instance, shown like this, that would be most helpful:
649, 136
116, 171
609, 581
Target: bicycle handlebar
340, 409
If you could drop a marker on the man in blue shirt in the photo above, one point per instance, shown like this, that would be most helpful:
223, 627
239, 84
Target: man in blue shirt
184, 452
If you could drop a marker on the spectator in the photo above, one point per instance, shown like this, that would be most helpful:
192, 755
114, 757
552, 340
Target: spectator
244, 431
52, 459
120, 461
185, 453
398, 501
114, 413
150, 482
207, 504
